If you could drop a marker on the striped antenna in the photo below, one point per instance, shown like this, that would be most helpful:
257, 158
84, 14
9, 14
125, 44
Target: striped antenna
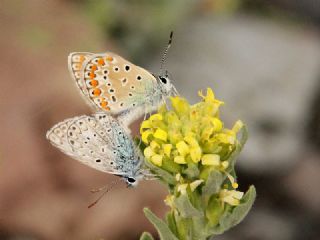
164, 56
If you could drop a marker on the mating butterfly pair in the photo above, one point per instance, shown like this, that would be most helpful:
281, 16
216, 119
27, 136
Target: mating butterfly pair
120, 92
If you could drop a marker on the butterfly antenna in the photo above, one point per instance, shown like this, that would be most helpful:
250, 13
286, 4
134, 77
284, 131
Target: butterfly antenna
107, 189
164, 56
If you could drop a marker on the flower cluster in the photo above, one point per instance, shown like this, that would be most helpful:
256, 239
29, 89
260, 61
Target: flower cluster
190, 150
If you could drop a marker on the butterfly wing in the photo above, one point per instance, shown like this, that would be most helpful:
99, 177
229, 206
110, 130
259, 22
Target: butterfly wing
87, 141
75, 65
129, 157
116, 85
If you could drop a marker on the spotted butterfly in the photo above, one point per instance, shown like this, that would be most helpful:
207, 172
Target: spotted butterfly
101, 142
110, 83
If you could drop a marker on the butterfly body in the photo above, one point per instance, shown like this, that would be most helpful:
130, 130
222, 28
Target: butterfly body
112, 84
101, 142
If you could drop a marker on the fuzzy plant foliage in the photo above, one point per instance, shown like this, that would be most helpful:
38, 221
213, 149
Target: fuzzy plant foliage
190, 150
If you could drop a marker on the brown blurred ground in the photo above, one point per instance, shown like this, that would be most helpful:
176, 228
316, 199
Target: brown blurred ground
44, 194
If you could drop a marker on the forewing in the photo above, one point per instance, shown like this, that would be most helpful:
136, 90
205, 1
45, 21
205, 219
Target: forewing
75, 66
86, 141
114, 84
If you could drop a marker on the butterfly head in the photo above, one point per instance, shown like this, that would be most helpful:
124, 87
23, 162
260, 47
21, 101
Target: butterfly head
132, 181
165, 85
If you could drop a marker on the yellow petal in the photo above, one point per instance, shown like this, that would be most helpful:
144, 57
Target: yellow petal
169, 200
182, 188
167, 149
231, 197
237, 126
179, 160
161, 134
180, 105
201, 94
206, 133
183, 148
156, 116
210, 95
178, 177
148, 152
226, 138
154, 145
217, 124
157, 160
195, 184
195, 154
191, 141
145, 125
232, 201
211, 159
225, 164
145, 135
237, 194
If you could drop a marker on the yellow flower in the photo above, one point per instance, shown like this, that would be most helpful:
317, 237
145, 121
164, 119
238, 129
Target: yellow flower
189, 134
182, 188
195, 184
167, 149
190, 149
231, 197
179, 160
157, 160
160, 134
169, 201
210, 159
182, 148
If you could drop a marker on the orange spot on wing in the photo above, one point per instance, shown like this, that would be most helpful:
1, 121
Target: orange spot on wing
104, 104
107, 108
92, 75
94, 67
109, 58
81, 58
94, 83
101, 61
96, 92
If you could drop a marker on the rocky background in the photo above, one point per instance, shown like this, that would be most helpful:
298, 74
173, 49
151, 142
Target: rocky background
261, 57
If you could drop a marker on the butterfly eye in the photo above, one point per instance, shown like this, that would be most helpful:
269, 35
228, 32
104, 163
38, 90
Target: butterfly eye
163, 80
131, 180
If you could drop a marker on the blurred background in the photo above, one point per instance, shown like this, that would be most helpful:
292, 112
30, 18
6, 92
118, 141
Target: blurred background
262, 57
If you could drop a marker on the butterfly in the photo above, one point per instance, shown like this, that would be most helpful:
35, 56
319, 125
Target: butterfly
112, 84
101, 142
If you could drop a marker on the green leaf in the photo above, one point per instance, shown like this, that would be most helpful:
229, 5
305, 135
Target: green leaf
162, 228
242, 141
244, 136
185, 207
146, 236
199, 232
172, 222
184, 227
213, 184
237, 214
192, 170
214, 211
